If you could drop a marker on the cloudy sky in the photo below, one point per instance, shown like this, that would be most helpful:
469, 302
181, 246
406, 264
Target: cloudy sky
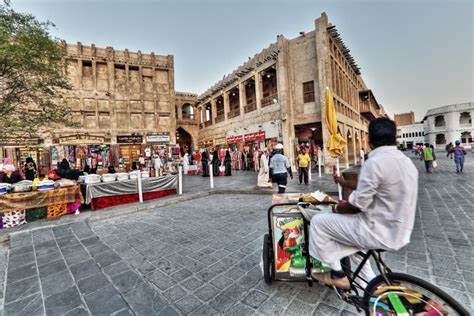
414, 54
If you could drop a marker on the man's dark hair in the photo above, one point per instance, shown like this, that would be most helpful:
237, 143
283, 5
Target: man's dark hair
382, 132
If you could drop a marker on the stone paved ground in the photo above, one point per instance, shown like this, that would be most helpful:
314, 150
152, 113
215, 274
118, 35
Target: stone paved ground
201, 257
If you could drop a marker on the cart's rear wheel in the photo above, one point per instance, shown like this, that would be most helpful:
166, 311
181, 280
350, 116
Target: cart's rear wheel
268, 266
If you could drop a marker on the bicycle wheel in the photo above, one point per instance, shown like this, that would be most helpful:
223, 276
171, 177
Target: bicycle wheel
408, 295
268, 266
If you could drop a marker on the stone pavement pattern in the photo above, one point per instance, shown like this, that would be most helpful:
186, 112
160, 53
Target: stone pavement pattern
201, 257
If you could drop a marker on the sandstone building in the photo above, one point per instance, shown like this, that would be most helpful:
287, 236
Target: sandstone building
405, 118
278, 96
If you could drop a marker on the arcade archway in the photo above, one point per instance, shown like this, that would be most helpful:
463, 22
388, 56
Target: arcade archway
184, 139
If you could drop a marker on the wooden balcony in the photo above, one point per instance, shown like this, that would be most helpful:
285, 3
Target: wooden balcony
369, 108
267, 101
233, 113
207, 123
220, 118
250, 107
186, 122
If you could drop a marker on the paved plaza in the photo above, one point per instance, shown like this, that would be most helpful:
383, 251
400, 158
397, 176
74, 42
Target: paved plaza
201, 256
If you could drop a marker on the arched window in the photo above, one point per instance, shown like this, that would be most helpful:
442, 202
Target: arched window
465, 119
439, 121
440, 139
188, 111
466, 138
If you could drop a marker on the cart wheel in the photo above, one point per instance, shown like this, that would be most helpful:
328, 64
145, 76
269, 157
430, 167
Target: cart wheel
268, 267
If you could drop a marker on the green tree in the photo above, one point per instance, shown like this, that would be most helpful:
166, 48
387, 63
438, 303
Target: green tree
32, 77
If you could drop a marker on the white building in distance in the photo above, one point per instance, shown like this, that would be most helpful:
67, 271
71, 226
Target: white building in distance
449, 123
410, 135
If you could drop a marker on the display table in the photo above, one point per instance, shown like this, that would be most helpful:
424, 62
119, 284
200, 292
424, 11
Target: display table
106, 194
18, 208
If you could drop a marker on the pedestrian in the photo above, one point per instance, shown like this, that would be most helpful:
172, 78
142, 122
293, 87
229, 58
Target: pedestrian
435, 164
228, 163
30, 169
215, 163
186, 163
362, 156
427, 156
10, 175
158, 165
459, 152
448, 150
205, 163
280, 168
303, 160
263, 179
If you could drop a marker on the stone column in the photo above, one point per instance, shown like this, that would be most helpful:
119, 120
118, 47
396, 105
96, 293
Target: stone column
242, 100
179, 108
226, 104
213, 111
258, 90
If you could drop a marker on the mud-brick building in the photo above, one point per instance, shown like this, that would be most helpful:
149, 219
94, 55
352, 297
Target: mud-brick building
278, 96
123, 101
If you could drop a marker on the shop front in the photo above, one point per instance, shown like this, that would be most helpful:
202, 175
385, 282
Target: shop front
82, 150
16, 151
131, 149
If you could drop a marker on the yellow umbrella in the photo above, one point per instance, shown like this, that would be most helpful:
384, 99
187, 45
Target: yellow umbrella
336, 142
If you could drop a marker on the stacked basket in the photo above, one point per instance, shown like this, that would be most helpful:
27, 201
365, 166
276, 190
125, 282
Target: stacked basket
12, 219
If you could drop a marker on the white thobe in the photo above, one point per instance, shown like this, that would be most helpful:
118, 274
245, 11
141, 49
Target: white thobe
386, 194
362, 157
185, 164
263, 173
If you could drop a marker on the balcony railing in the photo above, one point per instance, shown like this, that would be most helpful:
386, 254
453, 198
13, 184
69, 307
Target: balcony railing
186, 122
186, 116
267, 101
233, 113
250, 107
220, 118
207, 123
465, 125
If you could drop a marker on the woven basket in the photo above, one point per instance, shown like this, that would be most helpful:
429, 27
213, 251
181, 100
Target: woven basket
56, 211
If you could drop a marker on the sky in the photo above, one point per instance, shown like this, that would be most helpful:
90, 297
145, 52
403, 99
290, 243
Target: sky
414, 54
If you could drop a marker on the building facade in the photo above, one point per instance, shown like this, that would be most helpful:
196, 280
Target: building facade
410, 135
123, 102
278, 96
405, 118
449, 123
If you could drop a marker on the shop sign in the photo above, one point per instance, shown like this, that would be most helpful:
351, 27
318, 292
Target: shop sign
20, 142
246, 138
129, 139
81, 139
158, 138
219, 141
254, 136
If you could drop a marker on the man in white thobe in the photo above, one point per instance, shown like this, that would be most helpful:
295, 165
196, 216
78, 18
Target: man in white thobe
380, 213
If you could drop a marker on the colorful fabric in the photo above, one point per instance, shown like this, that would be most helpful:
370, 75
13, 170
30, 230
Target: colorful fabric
34, 214
108, 201
21, 201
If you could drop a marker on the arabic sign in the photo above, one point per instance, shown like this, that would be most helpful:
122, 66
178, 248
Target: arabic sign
158, 138
81, 139
246, 138
129, 139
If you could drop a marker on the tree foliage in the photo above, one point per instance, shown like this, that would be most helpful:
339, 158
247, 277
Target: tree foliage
32, 78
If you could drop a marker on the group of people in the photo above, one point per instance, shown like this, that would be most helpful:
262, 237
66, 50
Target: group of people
211, 163
427, 154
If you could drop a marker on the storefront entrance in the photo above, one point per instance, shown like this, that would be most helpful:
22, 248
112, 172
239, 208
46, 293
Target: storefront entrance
184, 140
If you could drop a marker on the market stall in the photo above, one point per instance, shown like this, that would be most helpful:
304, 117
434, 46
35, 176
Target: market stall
105, 194
20, 208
